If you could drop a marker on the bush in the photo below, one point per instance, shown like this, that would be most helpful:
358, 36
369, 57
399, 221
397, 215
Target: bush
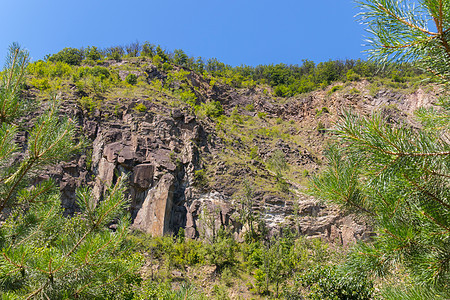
282, 91
188, 97
50, 69
328, 282
71, 56
40, 84
92, 53
221, 252
98, 71
334, 89
212, 109
131, 79
352, 75
88, 104
140, 108
200, 179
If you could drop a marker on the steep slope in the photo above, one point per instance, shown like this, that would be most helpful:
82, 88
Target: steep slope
191, 145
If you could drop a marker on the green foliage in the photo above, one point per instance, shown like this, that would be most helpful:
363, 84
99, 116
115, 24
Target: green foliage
162, 54
50, 69
41, 84
131, 79
157, 60
48, 75
167, 66
351, 75
235, 116
212, 109
247, 214
253, 152
43, 253
250, 107
261, 115
354, 91
175, 253
89, 104
413, 292
189, 98
116, 52
323, 110
93, 53
277, 162
70, 56
286, 80
282, 91
77, 257
400, 32
133, 49
321, 127
334, 89
200, 179
163, 291
140, 107
221, 252
330, 283
148, 50
260, 281
93, 80
394, 175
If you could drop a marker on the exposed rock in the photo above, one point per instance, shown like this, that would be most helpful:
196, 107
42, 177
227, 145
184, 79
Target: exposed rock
143, 176
162, 148
154, 215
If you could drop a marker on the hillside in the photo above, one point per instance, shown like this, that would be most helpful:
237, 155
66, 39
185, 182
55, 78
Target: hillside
216, 168
190, 141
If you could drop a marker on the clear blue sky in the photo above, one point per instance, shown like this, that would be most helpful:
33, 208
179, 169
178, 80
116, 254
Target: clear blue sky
236, 32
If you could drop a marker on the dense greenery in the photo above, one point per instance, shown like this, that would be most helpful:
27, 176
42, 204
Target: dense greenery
286, 80
395, 174
399, 184
43, 253
286, 266
47, 255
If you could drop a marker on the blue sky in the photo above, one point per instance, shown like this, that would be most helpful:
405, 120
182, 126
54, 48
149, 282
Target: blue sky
236, 32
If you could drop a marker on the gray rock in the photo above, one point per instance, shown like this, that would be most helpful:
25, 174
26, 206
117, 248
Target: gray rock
154, 216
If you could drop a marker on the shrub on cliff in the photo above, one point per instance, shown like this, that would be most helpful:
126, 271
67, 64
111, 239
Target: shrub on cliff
71, 56
131, 79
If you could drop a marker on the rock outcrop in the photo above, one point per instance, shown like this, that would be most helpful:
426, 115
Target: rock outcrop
161, 149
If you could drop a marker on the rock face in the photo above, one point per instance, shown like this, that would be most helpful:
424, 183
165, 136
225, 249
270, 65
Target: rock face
154, 215
158, 155
161, 149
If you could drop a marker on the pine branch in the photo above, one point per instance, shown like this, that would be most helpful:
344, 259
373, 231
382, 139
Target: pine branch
411, 25
426, 192
435, 221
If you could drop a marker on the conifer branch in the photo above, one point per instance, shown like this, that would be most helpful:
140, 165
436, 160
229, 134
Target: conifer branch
436, 222
426, 192
411, 25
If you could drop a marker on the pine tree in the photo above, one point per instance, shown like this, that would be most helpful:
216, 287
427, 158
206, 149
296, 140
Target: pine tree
405, 30
42, 253
396, 175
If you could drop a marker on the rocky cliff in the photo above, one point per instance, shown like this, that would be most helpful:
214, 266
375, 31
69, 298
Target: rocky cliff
186, 169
